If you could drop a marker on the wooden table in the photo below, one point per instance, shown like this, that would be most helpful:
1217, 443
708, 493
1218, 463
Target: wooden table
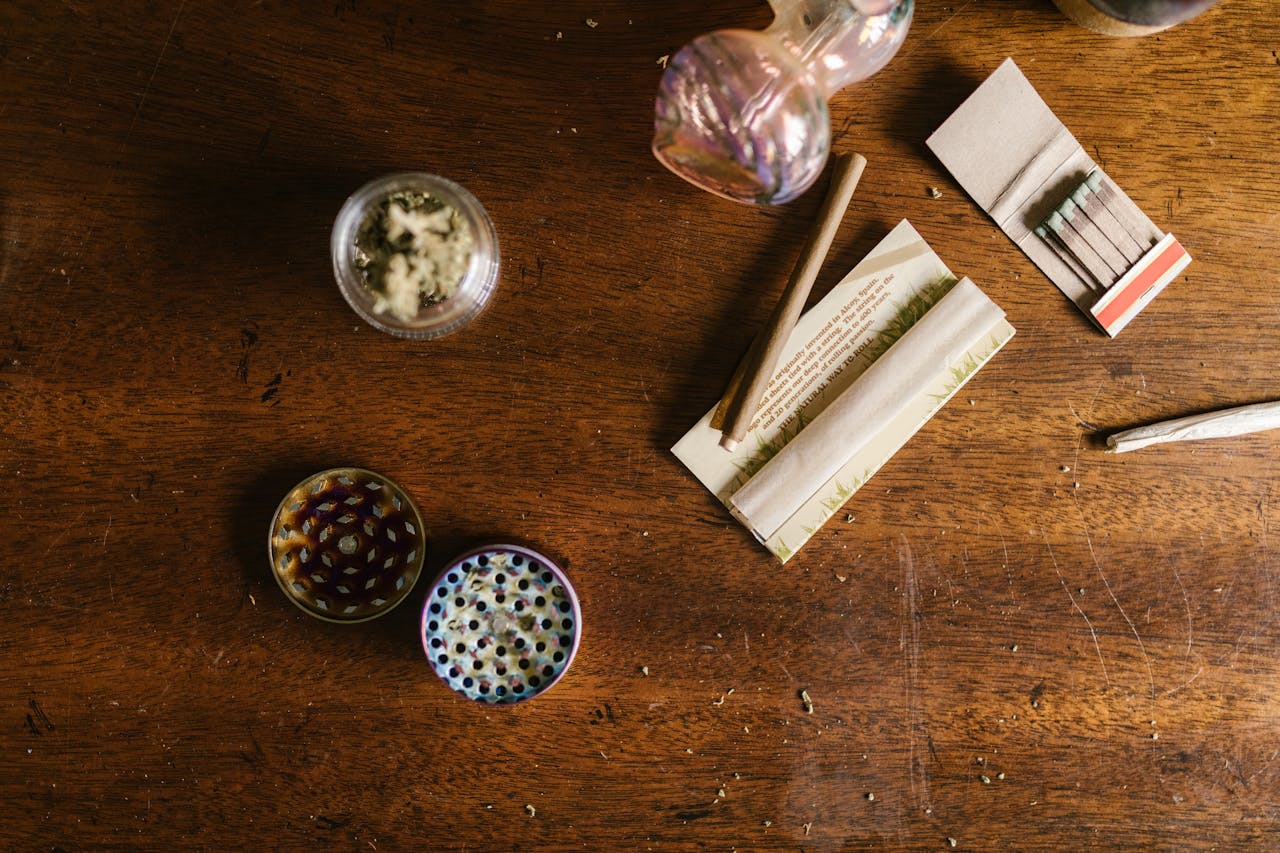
1014, 641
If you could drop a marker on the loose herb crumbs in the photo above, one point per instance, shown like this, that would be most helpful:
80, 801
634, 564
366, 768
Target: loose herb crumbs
412, 250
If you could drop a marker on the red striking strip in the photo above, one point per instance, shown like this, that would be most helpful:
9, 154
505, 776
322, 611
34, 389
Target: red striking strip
1141, 284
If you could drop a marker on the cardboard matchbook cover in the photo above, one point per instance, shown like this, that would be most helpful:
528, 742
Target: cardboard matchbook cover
864, 369
1009, 152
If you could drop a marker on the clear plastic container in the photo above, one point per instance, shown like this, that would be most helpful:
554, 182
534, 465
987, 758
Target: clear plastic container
432, 319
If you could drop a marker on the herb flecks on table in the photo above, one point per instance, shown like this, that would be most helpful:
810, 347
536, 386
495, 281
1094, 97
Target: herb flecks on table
412, 250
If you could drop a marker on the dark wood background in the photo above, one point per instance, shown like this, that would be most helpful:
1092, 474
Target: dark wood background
174, 355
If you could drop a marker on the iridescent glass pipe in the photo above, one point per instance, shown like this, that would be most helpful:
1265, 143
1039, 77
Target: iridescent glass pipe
743, 113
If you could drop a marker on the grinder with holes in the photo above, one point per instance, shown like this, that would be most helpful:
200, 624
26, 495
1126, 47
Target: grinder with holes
347, 545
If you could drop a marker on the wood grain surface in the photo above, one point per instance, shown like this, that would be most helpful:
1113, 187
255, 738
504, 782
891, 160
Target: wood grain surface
1011, 640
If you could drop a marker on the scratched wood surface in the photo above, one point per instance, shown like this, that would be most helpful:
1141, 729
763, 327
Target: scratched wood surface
1014, 641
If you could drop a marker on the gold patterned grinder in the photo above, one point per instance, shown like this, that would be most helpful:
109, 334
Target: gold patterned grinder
347, 545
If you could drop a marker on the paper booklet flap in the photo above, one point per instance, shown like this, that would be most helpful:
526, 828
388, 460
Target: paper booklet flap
991, 141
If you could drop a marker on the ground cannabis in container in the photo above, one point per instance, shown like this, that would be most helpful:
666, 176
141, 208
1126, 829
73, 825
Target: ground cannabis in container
412, 250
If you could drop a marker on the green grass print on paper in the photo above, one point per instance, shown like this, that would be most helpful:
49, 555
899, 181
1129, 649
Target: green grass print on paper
961, 372
909, 313
766, 450
839, 496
